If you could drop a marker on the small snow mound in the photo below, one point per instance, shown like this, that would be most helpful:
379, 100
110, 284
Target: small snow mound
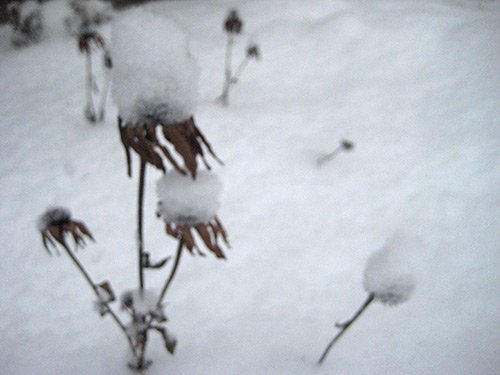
155, 78
387, 276
185, 201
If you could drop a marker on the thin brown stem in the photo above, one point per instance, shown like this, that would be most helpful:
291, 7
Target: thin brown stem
344, 326
172, 272
227, 69
240, 70
98, 294
140, 232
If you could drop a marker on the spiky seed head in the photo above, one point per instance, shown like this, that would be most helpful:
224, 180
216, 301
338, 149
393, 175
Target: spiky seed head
233, 23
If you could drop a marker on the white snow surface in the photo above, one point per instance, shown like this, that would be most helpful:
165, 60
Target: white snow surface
387, 274
155, 78
183, 200
414, 84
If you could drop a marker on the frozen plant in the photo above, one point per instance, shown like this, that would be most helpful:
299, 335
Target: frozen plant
89, 41
27, 22
344, 145
55, 225
233, 26
155, 88
385, 280
93, 12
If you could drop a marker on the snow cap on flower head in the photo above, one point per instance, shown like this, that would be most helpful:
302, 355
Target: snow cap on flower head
155, 78
386, 275
184, 201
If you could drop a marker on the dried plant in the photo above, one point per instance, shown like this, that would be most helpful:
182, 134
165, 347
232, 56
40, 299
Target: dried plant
385, 281
55, 225
27, 22
233, 26
89, 40
344, 145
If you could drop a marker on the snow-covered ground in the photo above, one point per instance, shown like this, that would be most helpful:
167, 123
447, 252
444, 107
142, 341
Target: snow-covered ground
414, 84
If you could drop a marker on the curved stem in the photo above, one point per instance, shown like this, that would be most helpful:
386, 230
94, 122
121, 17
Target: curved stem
96, 291
173, 272
345, 326
140, 234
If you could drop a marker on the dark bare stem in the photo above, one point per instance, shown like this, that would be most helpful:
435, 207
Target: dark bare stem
140, 234
346, 325
173, 272
101, 300
227, 69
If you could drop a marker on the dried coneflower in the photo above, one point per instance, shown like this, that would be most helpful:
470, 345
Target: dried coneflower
386, 279
155, 87
189, 210
55, 225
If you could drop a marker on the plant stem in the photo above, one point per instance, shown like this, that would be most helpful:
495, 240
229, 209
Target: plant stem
104, 94
90, 109
330, 155
345, 326
140, 234
227, 69
104, 302
240, 70
173, 272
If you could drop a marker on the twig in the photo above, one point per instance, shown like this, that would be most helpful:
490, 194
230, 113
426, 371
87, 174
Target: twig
344, 326
343, 146
227, 70
104, 94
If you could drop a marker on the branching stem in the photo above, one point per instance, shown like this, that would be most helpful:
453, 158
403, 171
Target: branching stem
344, 326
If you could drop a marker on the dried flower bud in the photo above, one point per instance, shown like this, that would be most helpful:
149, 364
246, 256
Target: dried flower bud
233, 23
253, 51
347, 145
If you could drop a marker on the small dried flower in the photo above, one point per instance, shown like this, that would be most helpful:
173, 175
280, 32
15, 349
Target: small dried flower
56, 223
253, 51
233, 23
88, 39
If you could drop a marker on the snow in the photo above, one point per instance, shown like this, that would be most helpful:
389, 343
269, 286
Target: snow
386, 274
182, 200
414, 84
155, 78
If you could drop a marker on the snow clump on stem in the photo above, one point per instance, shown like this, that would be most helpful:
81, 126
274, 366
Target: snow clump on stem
386, 277
185, 201
155, 77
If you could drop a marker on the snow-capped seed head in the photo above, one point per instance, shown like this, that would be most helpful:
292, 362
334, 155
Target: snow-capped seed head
141, 302
233, 23
387, 278
154, 75
253, 51
54, 216
184, 201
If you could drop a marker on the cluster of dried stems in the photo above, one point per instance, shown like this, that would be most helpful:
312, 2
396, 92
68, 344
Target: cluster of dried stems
188, 144
233, 26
